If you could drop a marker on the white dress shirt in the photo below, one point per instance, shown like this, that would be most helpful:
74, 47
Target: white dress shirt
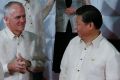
36, 12
98, 61
11, 46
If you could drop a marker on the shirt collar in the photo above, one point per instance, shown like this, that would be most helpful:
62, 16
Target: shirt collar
25, 2
96, 41
10, 34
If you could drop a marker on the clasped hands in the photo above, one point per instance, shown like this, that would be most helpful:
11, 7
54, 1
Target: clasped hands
19, 64
70, 11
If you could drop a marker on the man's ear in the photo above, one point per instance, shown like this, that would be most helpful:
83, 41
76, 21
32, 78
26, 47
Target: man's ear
5, 19
90, 25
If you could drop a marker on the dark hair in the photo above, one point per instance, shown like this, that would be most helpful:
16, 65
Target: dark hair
89, 14
8, 5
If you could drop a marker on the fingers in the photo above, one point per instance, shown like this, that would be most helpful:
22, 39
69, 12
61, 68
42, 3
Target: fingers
70, 11
20, 59
21, 66
18, 65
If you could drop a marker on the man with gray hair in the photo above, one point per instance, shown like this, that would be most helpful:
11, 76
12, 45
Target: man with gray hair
19, 49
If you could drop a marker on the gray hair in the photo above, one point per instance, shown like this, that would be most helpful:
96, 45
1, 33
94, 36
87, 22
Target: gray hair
7, 7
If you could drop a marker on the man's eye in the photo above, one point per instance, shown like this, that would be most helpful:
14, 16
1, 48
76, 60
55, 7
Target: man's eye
24, 16
18, 17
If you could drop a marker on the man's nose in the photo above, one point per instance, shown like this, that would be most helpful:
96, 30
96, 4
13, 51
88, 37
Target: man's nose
22, 19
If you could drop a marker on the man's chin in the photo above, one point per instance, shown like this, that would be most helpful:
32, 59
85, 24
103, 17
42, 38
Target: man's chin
21, 30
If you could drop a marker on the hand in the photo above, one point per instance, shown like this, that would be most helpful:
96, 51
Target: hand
17, 65
70, 11
27, 63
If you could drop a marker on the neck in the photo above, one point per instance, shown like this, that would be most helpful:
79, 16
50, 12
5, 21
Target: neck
17, 33
91, 37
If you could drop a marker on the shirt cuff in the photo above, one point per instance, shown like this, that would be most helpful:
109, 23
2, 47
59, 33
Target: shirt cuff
5, 68
33, 64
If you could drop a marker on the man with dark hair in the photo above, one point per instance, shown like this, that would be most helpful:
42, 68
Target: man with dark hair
89, 56
65, 27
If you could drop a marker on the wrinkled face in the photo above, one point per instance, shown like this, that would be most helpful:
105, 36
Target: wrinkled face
16, 19
82, 28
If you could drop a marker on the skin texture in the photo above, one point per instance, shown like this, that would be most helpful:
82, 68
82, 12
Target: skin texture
16, 19
86, 31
